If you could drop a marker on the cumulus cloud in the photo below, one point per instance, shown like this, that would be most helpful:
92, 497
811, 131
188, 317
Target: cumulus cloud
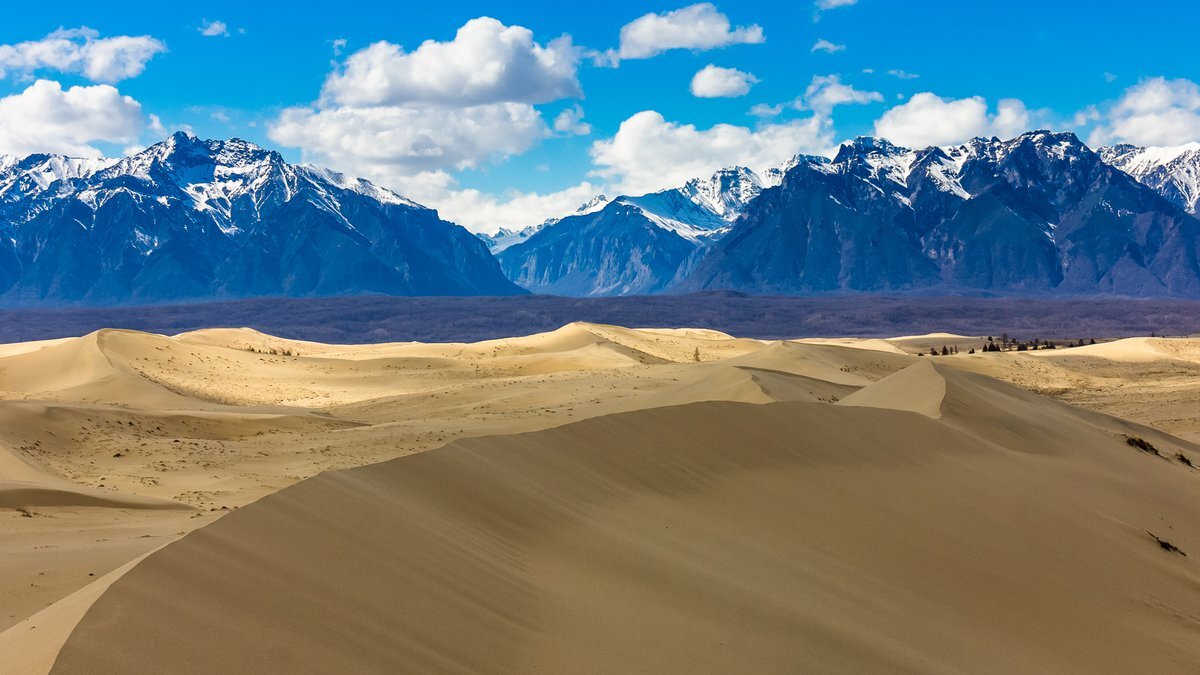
408, 119
696, 27
826, 91
826, 46
1155, 111
570, 122
46, 118
82, 51
927, 119
390, 141
482, 212
716, 82
213, 28
649, 153
834, 4
486, 62
822, 95
901, 74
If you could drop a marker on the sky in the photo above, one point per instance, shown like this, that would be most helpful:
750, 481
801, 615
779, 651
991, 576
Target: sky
508, 113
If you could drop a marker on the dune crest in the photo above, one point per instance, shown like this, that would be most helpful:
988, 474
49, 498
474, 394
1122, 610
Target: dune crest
919, 388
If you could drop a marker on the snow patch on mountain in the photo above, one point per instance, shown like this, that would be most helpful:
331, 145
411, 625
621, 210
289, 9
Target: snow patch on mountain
1173, 172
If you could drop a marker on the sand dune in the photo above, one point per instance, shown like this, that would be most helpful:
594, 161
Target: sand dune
604, 501
919, 388
709, 537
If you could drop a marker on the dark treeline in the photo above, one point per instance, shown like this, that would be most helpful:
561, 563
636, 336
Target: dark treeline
1007, 344
386, 319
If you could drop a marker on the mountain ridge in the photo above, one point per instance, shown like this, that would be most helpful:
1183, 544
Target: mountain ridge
633, 244
191, 219
1039, 213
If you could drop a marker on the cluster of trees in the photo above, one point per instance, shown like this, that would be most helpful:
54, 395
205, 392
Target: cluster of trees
946, 351
1006, 344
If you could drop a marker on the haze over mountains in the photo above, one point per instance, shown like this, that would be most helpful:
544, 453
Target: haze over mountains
1040, 214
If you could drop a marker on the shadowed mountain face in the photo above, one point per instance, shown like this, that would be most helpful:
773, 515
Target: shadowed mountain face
190, 219
1040, 213
632, 245
1173, 172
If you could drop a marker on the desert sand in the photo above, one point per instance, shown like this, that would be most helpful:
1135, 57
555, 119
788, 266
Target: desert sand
596, 499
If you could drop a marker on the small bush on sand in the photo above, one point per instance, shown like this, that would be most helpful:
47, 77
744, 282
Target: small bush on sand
1143, 445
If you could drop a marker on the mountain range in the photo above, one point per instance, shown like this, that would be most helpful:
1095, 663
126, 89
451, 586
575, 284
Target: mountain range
1037, 214
189, 219
1040, 213
633, 245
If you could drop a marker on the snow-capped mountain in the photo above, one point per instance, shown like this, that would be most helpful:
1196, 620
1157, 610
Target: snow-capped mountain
189, 218
1173, 172
1038, 213
506, 237
631, 245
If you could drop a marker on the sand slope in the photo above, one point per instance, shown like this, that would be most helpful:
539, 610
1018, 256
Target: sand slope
1011, 535
213, 420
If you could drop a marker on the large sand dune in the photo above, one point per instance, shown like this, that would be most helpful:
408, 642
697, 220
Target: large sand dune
595, 499
710, 537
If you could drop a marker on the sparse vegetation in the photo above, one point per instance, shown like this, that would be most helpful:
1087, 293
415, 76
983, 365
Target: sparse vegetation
1183, 459
1166, 545
1143, 445
272, 351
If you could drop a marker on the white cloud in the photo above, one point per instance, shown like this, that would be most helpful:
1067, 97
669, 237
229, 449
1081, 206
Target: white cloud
826, 46
696, 27
1012, 118
834, 4
213, 28
901, 74
826, 91
649, 153
486, 62
716, 82
1155, 111
570, 122
46, 118
822, 95
82, 51
481, 212
928, 119
386, 142
767, 110
408, 120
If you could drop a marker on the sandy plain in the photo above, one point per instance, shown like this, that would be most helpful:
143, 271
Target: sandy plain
596, 499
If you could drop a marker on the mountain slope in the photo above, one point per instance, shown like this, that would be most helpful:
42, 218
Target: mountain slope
1172, 172
189, 218
506, 237
1039, 213
631, 245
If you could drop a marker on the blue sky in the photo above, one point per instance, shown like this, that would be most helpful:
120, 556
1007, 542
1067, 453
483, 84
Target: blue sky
485, 149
